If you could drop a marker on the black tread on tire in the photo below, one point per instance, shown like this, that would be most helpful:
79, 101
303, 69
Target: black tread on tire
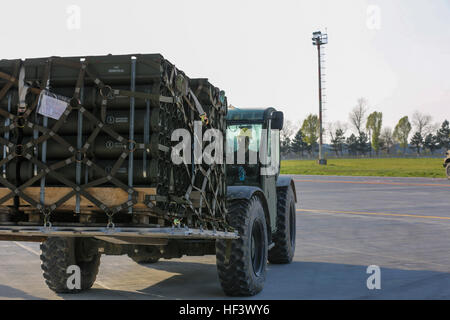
57, 254
283, 238
235, 262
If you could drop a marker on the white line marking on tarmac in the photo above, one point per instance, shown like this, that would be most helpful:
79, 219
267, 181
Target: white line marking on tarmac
336, 212
377, 183
101, 284
27, 248
375, 255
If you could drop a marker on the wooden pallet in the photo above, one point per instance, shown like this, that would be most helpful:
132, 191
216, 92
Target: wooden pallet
108, 195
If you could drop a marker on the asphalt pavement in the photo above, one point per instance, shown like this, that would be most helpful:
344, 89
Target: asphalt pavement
344, 225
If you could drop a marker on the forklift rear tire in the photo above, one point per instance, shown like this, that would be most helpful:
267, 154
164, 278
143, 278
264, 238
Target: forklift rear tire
241, 263
57, 254
284, 237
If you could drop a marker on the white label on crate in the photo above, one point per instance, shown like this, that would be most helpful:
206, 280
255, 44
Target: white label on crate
52, 107
122, 120
116, 69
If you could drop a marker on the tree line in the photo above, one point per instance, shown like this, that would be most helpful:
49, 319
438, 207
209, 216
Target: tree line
368, 136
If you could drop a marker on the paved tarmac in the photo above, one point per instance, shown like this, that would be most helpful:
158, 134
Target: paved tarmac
344, 224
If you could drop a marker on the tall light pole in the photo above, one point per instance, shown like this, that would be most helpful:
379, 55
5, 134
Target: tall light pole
319, 40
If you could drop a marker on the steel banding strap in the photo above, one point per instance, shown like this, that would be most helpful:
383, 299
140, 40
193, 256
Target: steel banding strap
80, 81
131, 129
79, 95
146, 137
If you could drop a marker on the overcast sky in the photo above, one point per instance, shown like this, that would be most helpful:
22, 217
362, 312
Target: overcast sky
394, 53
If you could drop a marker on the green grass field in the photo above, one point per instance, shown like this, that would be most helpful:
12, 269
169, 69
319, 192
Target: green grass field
429, 168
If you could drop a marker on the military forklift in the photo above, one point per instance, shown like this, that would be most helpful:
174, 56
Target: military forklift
86, 170
260, 203
261, 207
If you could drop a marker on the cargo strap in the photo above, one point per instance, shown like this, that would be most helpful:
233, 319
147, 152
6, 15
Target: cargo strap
201, 178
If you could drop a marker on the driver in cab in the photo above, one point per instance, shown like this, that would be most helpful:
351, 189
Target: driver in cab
244, 155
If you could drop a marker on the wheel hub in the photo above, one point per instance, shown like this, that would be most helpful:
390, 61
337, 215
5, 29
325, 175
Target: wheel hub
257, 248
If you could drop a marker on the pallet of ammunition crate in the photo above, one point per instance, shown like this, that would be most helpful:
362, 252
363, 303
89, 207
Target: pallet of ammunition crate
77, 129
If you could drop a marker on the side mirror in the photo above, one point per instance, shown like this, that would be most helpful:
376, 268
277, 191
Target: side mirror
277, 120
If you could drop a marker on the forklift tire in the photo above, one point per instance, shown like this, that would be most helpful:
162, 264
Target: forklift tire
57, 254
284, 237
241, 263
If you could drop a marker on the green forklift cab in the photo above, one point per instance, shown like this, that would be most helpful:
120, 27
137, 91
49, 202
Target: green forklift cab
260, 128
260, 203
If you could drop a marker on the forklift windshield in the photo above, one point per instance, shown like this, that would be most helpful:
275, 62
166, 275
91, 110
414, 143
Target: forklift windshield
251, 133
